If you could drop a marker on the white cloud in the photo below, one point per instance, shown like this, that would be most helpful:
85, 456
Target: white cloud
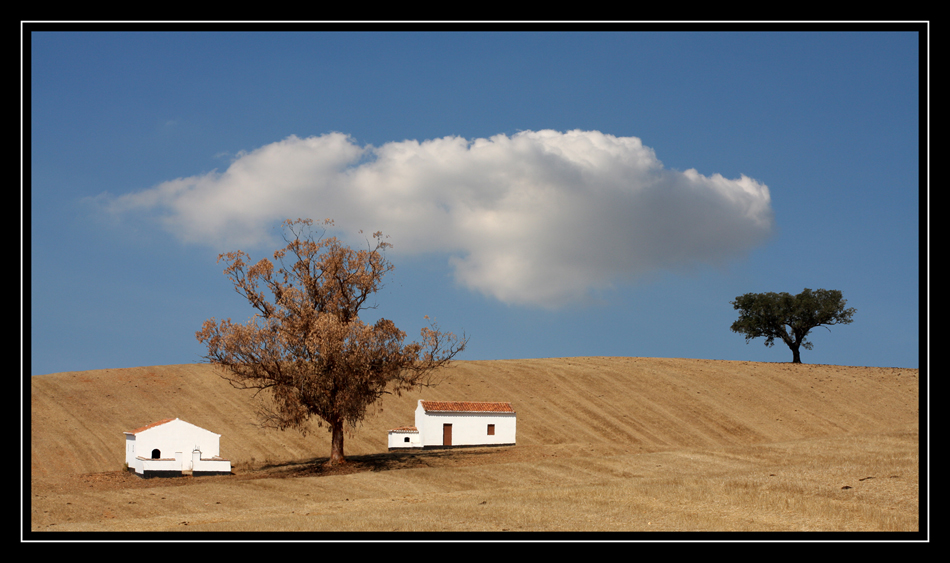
539, 218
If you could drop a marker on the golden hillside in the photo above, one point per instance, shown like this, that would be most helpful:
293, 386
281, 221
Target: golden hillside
623, 405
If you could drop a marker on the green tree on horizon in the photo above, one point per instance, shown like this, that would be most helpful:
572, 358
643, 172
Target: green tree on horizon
789, 317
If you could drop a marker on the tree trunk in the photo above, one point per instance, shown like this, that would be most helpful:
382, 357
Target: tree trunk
336, 443
796, 357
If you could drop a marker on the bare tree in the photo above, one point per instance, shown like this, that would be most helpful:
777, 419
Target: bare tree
306, 345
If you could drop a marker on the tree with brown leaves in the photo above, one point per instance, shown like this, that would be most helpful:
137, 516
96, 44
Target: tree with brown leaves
306, 344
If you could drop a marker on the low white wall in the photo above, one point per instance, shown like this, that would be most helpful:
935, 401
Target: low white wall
212, 466
143, 465
190, 461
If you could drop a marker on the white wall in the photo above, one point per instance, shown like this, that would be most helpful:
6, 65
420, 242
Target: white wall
143, 465
468, 429
397, 439
183, 461
202, 464
174, 439
130, 450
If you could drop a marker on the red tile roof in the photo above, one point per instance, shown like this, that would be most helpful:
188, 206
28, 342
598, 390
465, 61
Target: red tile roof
465, 406
405, 429
152, 425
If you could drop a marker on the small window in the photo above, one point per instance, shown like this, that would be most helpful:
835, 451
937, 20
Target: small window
491, 429
406, 439
156, 454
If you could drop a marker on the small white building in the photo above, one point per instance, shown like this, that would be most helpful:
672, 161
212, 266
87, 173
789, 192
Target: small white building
442, 424
173, 447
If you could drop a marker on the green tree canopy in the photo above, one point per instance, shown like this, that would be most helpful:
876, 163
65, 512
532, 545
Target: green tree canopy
789, 317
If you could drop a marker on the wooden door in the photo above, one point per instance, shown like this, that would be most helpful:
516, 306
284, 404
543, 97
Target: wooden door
446, 434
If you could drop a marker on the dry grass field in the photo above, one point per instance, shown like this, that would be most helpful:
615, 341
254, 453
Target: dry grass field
604, 445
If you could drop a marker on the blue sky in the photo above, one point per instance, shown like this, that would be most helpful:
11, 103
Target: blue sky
549, 194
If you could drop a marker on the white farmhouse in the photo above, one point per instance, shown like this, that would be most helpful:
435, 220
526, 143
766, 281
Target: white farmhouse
441, 424
173, 447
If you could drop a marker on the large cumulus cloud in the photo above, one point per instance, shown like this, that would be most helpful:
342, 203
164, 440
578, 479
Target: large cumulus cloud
538, 218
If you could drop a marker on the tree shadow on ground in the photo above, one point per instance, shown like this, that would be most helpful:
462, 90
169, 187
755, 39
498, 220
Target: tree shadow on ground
388, 461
